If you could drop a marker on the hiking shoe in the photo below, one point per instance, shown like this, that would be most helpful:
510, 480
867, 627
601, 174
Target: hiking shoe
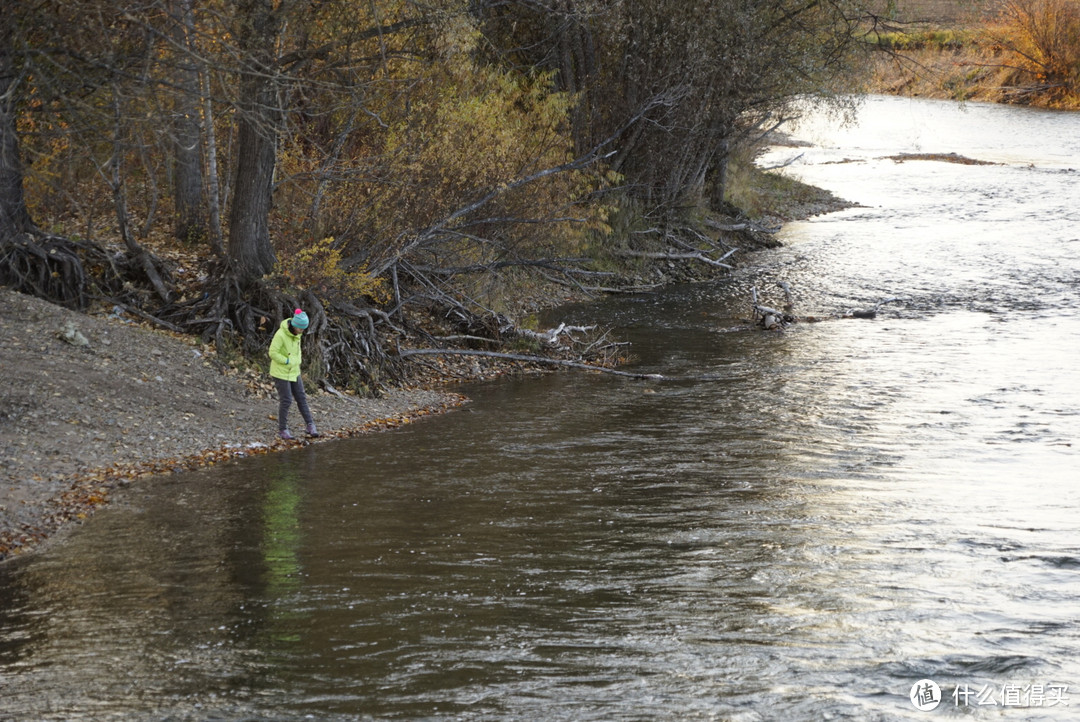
284, 434
311, 430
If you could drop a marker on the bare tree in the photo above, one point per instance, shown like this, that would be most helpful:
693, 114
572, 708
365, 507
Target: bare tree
191, 210
14, 216
725, 66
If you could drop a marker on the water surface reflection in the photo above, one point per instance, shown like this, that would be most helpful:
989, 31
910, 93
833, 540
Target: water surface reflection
849, 507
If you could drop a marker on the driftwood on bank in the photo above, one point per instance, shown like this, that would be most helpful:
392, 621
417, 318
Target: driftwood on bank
136, 311
744, 226
685, 243
772, 319
551, 338
688, 256
404, 353
708, 241
627, 290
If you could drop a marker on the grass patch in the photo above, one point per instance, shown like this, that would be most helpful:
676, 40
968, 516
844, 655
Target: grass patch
772, 196
937, 39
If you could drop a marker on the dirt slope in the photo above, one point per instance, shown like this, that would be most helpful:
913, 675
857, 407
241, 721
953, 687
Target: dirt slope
90, 403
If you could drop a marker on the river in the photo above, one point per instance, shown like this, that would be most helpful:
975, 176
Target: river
849, 520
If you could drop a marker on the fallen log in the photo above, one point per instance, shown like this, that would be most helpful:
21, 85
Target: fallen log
551, 338
405, 353
136, 311
627, 290
745, 226
675, 257
771, 319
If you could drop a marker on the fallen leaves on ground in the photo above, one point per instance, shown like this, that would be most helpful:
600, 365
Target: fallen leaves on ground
91, 490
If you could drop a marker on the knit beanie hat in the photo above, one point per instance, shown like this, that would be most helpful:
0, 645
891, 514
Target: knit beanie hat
299, 319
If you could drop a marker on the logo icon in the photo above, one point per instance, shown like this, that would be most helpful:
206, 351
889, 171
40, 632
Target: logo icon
925, 695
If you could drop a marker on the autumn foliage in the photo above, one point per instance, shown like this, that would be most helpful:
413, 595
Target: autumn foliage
1019, 51
370, 155
1040, 40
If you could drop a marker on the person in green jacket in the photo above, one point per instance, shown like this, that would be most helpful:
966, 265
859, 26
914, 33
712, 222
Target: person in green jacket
285, 359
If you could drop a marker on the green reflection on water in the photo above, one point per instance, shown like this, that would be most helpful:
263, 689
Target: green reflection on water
281, 541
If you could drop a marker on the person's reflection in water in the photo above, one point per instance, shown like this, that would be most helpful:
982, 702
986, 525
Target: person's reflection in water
282, 538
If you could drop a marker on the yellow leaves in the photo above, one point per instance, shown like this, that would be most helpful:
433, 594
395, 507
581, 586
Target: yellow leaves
438, 129
458, 38
1039, 38
318, 267
46, 170
482, 128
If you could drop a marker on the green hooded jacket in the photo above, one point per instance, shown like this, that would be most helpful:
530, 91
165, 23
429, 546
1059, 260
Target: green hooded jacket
285, 353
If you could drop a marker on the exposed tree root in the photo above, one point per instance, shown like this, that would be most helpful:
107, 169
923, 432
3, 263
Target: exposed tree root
342, 343
346, 344
49, 269
72, 273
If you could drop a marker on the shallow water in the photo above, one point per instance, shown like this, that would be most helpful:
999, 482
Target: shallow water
849, 507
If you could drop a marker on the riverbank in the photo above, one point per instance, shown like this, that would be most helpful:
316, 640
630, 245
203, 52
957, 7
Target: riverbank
961, 70
829, 507
94, 402
1018, 53
91, 404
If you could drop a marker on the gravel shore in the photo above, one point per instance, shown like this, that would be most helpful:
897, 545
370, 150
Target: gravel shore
92, 403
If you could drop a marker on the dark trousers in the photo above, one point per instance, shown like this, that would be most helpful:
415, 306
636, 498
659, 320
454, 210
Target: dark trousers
286, 392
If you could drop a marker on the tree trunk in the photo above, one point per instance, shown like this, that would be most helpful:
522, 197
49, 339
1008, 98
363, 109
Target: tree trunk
250, 250
188, 192
212, 190
719, 176
123, 222
14, 216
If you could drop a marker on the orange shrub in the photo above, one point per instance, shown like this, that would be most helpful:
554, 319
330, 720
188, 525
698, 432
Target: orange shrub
1040, 40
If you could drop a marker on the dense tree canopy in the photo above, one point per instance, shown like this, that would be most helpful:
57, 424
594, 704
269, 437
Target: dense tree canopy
373, 152
702, 72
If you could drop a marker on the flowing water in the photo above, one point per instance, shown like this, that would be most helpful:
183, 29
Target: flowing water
843, 510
